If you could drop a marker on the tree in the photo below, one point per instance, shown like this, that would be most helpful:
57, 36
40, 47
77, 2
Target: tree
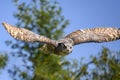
42, 17
106, 66
3, 60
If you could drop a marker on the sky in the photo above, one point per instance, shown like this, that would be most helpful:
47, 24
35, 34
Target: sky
82, 14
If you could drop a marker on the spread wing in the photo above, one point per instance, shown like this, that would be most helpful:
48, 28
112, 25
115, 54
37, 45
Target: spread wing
26, 35
94, 35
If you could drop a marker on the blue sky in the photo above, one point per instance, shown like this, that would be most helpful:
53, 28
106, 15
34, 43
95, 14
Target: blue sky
82, 14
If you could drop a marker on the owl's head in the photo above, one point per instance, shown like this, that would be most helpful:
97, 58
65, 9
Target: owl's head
64, 48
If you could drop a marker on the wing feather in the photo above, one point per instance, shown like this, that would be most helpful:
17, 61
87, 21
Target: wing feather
94, 35
26, 35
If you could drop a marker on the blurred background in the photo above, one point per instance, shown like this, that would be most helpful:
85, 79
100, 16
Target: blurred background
81, 14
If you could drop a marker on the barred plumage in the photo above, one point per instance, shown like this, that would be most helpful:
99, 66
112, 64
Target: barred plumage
94, 35
26, 35
65, 45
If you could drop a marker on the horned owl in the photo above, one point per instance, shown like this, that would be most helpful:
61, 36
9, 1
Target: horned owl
65, 45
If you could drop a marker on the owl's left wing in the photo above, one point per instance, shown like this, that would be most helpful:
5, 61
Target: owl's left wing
94, 35
26, 35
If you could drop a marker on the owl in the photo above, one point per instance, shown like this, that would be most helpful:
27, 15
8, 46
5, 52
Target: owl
65, 45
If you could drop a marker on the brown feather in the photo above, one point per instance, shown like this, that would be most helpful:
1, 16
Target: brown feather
26, 35
94, 35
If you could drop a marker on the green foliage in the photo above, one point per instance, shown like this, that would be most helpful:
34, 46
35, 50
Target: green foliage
42, 17
106, 66
50, 68
3, 60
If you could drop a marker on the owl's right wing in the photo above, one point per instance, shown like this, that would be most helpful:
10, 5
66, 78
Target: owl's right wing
26, 35
94, 35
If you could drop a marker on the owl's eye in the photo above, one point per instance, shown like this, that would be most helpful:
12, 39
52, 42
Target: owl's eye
70, 47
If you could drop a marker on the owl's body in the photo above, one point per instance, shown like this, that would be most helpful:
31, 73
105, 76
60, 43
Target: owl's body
65, 45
